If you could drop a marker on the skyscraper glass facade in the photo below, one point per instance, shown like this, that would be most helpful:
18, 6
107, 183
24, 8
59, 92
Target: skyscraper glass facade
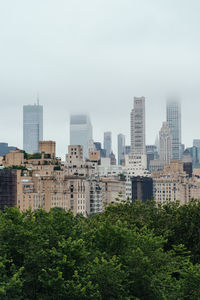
174, 123
32, 127
81, 132
121, 147
108, 143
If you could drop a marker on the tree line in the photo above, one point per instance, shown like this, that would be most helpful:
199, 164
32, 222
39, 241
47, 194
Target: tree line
130, 251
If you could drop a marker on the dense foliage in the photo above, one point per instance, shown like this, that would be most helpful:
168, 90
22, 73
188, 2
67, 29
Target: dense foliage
131, 251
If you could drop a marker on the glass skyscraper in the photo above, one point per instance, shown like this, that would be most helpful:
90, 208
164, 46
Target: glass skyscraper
81, 132
32, 127
121, 147
174, 124
107, 143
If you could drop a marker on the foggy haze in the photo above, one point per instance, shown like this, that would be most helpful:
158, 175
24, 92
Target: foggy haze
94, 56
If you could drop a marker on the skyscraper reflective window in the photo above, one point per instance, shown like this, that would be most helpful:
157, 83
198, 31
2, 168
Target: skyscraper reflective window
174, 123
81, 132
121, 147
32, 127
107, 143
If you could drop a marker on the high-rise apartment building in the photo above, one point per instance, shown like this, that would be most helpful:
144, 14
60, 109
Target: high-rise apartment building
142, 188
174, 123
165, 144
108, 143
8, 188
173, 183
138, 126
121, 147
32, 127
81, 132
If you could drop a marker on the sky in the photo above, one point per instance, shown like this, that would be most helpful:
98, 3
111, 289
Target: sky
94, 56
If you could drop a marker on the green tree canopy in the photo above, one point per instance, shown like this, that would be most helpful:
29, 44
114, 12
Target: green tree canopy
130, 251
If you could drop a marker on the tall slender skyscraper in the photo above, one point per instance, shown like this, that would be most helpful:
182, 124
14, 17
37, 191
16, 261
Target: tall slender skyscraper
165, 144
107, 143
174, 123
121, 147
81, 132
138, 126
32, 127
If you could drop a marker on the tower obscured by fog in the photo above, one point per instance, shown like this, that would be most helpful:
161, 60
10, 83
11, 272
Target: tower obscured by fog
138, 126
81, 132
107, 143
32, 127
174, 123
121, 147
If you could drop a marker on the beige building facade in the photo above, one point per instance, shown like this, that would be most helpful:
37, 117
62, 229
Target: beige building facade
44, 182
174, 184
48, 147
14, 158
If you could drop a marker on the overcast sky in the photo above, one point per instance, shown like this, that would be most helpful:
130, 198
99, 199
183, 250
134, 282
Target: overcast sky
94, 56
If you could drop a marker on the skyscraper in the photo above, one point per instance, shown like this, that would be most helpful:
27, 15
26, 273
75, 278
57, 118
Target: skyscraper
107, 143
138, 126
81, 132
32, 127
165, 144
174, 123
121, 147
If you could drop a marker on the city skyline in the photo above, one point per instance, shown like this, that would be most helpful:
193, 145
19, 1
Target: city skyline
122, 50
101, 139
100, 149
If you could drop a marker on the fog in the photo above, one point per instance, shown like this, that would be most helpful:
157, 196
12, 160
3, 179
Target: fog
94, 56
